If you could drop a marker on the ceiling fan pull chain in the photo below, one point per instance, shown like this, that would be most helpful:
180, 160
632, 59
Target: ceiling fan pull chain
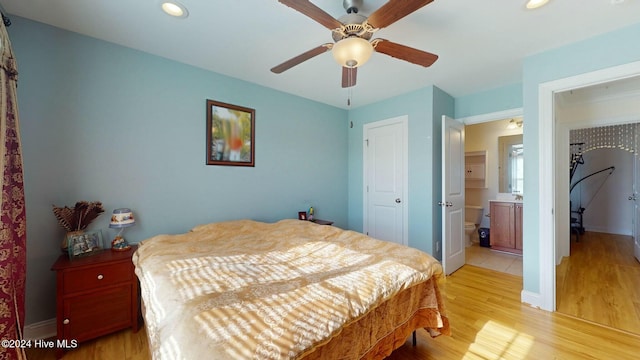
350, 89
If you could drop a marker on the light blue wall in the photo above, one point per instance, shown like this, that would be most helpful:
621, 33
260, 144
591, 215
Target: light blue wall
489, 101
424, 109
107, 123
615, 48
443, 104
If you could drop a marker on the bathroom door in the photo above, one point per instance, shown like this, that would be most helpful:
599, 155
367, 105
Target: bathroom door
452, 203
634, 197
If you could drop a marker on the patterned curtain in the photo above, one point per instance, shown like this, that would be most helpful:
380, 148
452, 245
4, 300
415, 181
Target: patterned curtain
605, 137
13, 250
621, 137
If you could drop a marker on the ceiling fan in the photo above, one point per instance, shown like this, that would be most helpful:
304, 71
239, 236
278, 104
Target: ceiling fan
352, 36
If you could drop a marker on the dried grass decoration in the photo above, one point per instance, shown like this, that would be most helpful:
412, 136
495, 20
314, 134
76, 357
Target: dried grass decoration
77, 218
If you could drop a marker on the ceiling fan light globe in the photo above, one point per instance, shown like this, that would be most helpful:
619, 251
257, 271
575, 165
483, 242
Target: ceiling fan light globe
352, 52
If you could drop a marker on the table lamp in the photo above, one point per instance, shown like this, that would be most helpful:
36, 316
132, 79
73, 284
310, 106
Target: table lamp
120, 219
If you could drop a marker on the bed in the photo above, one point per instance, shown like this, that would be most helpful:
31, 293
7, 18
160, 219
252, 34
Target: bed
286, 290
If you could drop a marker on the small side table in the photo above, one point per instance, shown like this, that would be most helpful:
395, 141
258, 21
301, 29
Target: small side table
322, 222
96, 295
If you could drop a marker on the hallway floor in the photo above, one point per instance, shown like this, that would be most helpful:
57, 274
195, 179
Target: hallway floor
600, 281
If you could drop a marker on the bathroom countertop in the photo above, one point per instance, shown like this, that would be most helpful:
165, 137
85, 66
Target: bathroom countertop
508, 197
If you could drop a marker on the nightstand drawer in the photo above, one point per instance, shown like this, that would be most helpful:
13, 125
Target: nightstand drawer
97, 276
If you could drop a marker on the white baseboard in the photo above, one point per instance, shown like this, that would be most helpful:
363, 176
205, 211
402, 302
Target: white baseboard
606, 230
40, 330
531, 299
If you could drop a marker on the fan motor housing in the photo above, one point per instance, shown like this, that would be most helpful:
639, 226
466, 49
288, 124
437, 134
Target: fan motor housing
352, 27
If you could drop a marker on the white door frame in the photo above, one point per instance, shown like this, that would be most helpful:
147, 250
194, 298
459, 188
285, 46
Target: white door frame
548, 133
636, 205
404, 121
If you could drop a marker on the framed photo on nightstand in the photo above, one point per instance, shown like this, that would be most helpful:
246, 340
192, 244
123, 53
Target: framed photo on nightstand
84, 243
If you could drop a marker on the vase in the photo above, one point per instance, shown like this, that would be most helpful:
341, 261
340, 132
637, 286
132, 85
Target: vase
64, 246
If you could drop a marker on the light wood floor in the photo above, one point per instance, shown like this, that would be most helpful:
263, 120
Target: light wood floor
488, 322
600, 281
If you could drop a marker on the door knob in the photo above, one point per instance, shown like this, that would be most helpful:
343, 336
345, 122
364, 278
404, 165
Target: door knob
398, 201
449, 204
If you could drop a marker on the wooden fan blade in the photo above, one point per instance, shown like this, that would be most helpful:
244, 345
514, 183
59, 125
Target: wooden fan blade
307, 8
405, 53
393, 11
301, 58
349, 76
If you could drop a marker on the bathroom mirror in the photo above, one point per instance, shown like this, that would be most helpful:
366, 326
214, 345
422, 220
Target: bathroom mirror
511, 164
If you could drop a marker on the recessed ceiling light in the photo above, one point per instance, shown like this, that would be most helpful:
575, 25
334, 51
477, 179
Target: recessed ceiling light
174, 9
534, 4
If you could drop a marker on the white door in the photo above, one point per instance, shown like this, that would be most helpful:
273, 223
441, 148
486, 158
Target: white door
385, 180
452, 203
636, 200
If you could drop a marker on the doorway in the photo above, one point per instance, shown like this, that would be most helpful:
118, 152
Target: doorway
482, 134
553, 174
598, 280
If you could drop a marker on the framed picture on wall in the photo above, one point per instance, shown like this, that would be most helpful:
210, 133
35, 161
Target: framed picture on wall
230, 134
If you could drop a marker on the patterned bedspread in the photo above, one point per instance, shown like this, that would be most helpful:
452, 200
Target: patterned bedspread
251, 290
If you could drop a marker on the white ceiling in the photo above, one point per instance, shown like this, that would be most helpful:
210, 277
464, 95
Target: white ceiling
481, 44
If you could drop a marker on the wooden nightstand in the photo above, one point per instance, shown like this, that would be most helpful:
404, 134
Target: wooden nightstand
96, 295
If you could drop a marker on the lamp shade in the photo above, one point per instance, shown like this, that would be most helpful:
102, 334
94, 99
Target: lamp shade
122, 218
352, 52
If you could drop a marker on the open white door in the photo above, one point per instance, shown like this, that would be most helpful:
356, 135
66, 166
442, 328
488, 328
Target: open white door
452, 203
634, 197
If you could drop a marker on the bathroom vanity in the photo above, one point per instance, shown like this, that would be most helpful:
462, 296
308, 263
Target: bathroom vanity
506, 226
